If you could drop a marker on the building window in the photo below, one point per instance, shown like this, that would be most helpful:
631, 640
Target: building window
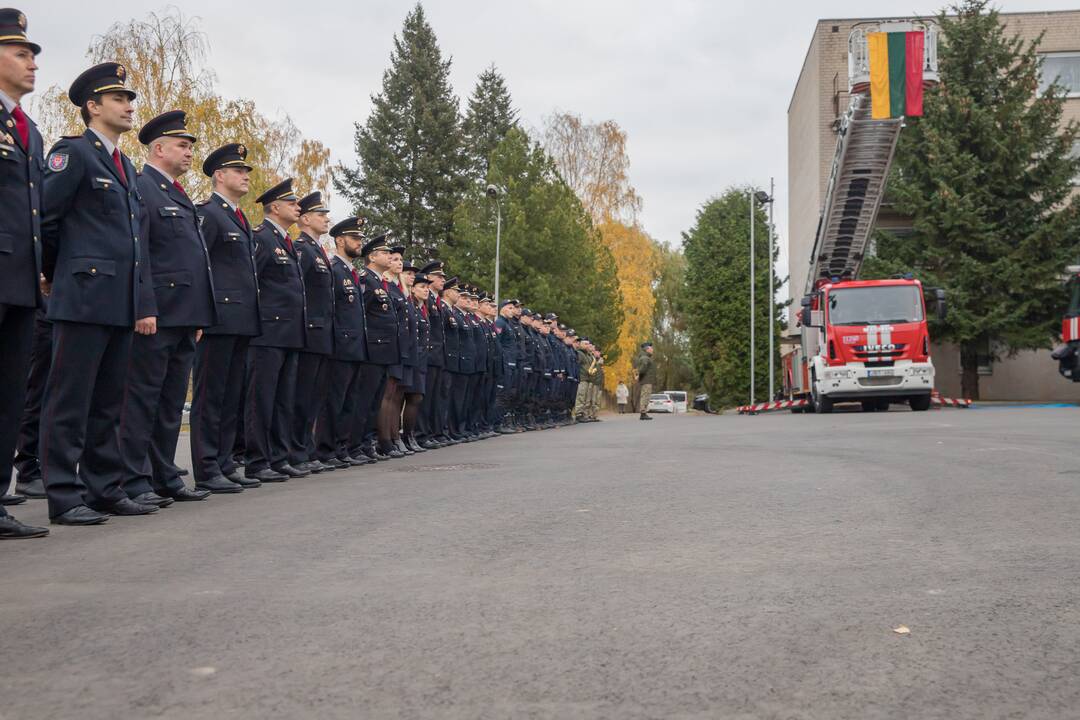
1076, 154
1063, 69
983, 356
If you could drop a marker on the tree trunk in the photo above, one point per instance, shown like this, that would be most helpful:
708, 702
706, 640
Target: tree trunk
969, 370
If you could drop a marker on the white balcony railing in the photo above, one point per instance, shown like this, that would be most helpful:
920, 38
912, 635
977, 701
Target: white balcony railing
859, 54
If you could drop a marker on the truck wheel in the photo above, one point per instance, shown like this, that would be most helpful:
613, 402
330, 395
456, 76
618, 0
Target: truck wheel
868, 406
822, 405
919, 403
881, 405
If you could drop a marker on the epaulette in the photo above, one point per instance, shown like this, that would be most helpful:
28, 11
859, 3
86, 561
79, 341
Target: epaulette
203, 203
258, 228
70, 137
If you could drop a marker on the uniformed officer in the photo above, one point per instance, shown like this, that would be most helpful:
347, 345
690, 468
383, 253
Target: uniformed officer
182, 299
465, 379
381, 338
645, 368
273, 355
452, 361
20, 243
220, 356
510, 356
495, 365
347, 364
96, 268
432, 426
313, 364
419, 286
399, 374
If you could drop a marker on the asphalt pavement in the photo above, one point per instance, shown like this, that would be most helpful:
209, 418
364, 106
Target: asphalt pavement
689, 567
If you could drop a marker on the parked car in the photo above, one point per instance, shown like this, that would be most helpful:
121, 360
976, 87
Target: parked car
679, 398
661, 402
701, 402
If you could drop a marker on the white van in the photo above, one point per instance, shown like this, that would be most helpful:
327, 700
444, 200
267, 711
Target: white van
679, 398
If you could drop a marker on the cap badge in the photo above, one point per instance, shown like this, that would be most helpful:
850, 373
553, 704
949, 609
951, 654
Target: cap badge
242, 150
120, 71
22, 21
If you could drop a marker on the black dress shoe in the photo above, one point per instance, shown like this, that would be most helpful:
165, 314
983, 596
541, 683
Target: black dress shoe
400, 446
335, 463
12, 499
189, 495
152, 498
266, 475
32, 488
429, 444
289, 470
182, 472
219, 485
126, 507
245, 482
80, 515
316, 467
235, 477
12, 529
410, 442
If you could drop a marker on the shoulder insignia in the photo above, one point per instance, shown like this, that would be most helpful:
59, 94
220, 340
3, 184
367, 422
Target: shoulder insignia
70, 137
258, 228
58, 161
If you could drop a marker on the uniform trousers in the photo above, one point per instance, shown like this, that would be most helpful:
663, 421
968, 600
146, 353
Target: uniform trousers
312, 373
334, 425
81, 417
365, 400
17, 333
271, 388
153, 409
27, 450
457, 420
219, 378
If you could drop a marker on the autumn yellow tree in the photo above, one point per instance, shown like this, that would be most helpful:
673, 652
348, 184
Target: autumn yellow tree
593, 160
166, 57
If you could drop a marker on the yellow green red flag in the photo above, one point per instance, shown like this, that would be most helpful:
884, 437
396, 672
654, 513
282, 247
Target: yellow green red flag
896, 74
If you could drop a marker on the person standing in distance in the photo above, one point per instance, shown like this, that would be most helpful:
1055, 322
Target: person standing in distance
96, 268
182, 299
220, 354
646, 375
20, 244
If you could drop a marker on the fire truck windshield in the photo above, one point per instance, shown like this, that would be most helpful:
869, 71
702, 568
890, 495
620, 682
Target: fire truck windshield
875, 305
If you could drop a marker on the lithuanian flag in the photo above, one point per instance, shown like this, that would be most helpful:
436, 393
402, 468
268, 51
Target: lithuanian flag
896, 74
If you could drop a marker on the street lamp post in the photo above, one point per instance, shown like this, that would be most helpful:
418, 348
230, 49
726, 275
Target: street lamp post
493, 194
752, 344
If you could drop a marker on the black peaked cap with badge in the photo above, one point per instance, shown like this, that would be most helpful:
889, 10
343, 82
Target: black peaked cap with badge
451, 284
282, 191
313, 203
435, 267
349, 226
13, 29
379, 242
421, 279
167, 124
104, 78
231, 155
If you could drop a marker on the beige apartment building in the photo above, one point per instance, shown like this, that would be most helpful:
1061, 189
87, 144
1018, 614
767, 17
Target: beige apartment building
821, 98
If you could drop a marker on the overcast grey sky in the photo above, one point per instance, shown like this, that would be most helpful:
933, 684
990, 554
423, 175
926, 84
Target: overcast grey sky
701, 87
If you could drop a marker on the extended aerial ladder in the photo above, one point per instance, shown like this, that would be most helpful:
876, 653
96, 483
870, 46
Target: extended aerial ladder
860, 167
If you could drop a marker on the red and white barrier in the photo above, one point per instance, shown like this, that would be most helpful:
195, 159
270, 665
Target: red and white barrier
770, 406
941, 402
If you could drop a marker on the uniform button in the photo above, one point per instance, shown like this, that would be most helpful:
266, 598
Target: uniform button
226, 299
172, 284
276, 317
31, 184
34, 211
93, 271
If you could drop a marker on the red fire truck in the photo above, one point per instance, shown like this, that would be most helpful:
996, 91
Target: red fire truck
862, 340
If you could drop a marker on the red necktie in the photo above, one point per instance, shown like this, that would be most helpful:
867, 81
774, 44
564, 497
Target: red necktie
176, 184
241, 218
355, 277
423, 309
385, 286
21, 125
119, 166
288, 241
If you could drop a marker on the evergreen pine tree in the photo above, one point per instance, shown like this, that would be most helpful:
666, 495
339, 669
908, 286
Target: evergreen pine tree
410, 177
489, 116
986, 177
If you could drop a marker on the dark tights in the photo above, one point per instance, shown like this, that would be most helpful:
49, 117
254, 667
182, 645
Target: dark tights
413, 403
389, 413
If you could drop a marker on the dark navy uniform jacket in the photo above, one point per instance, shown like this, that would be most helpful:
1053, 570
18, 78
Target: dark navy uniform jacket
281, 290
437, 327
350, 341
466, 344
21, 170
451, 338
92, 252
423, 333
406, 326
480, 344
236, 284
182, 293
319, 292
382, 324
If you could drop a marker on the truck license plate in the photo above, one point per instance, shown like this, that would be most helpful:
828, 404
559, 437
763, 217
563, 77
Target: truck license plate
887, 372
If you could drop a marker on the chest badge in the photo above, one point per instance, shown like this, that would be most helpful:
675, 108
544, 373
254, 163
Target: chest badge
58, 162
